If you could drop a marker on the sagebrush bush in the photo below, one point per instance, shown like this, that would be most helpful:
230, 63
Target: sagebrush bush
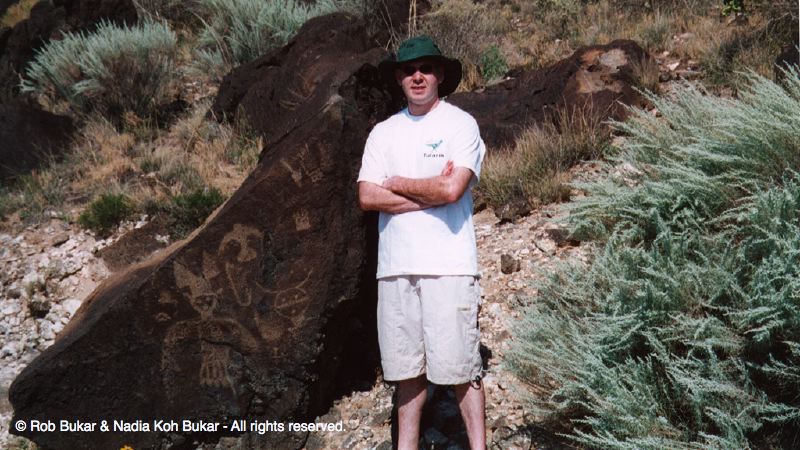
111, 70
684, 329
238, 31
105, 213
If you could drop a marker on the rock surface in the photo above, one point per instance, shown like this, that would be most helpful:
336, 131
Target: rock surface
257, 312
47, 20
598, 78
29, 136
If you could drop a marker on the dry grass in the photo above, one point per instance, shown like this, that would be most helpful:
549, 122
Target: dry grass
195, 153
17, 13
546, 31
534, 171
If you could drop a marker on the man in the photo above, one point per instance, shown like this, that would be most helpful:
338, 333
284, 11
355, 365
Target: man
417, 169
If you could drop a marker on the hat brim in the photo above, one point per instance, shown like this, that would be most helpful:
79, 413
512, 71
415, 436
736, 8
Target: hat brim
452, 73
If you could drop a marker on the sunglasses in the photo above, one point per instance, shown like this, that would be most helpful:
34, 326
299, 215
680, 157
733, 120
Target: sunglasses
425, 69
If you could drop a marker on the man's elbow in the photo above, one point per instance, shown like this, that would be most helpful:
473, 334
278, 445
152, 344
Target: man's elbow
363, 203
453, 193
452, 196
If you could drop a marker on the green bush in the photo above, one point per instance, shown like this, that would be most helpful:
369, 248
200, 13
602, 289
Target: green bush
684, 329
189, 211
112, 70
238, 31
105, 213
492, 63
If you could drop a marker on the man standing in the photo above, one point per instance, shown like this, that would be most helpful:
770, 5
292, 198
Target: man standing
417, 169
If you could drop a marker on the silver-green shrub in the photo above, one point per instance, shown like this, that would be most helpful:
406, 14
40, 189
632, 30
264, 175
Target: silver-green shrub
238, 31
111, 70
684, 329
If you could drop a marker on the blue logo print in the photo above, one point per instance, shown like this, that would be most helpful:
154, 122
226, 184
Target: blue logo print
434, 145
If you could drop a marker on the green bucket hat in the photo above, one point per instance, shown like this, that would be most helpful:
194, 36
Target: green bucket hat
422, 47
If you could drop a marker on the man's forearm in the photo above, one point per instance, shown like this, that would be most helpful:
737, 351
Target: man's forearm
437, 190
376, 198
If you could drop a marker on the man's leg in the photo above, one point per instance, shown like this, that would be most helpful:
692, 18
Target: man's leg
472, 403
410, 400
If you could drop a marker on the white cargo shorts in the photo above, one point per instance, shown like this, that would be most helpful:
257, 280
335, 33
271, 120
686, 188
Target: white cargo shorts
429, 325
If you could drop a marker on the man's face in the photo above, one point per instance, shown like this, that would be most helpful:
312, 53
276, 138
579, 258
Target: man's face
420, 80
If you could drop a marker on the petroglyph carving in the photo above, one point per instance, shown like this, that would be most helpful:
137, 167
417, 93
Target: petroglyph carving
292, 302
311, 170
301, 220
297, 177
213, 370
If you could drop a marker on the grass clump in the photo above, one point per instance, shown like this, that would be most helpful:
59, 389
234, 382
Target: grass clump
534, 171
105, 213
188, 211
113, 70
684, 329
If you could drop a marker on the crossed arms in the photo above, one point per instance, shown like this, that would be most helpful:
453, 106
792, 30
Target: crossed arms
399, 194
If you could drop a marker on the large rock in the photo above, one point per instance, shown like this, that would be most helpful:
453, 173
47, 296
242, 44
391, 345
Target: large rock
258, 314
29, 136
599, 78
48, 19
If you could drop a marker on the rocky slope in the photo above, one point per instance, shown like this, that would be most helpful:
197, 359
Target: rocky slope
47, 270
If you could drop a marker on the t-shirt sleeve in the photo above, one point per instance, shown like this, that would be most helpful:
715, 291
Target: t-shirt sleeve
468, 148
372, 167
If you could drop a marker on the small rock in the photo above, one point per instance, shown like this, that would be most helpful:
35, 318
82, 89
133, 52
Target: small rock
59, 239
11, 309
508, 264
382, 416
71, 305
350, 442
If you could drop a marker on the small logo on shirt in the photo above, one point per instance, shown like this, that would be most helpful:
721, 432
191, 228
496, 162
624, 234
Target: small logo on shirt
433, 153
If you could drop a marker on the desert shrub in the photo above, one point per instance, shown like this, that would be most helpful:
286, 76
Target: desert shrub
683, 330
105, 213
238, 31
492, 63
533, 171
111, 70
188, 211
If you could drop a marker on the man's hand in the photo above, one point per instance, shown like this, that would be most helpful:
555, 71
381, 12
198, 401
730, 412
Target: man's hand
448, 187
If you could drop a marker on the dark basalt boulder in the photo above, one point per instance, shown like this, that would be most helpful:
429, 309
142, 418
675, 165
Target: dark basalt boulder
29, 136
47, 20
598, 78
260, 313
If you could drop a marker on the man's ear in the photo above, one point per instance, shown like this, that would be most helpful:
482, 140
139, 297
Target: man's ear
440, 74
398, 76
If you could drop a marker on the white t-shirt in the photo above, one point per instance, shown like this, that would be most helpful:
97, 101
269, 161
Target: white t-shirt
438, 240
